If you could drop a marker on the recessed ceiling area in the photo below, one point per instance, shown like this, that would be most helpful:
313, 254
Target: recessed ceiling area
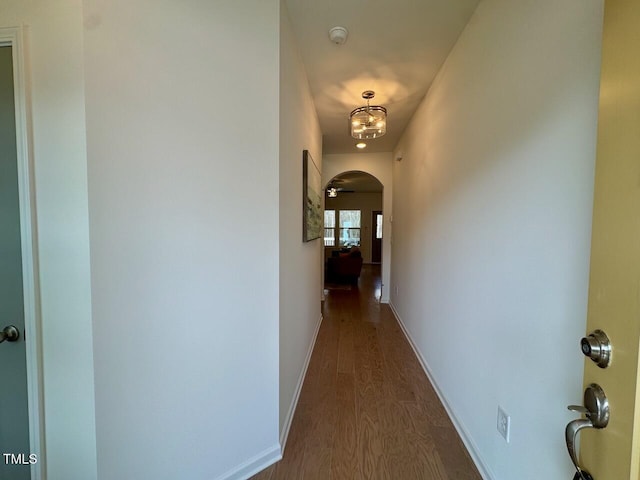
394, 48
355, 182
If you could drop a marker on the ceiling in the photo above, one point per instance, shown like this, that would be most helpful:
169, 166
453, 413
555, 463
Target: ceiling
356, 182
395, 47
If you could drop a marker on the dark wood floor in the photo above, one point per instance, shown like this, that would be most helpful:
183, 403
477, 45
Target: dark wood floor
367, 410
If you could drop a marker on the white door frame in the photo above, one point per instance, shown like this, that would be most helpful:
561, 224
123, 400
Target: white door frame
14, 37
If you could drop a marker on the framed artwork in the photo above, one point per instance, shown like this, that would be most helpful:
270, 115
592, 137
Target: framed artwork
312, 218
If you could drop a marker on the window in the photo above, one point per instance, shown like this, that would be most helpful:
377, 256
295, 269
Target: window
348, 235
349, 232
378, 226
329, 228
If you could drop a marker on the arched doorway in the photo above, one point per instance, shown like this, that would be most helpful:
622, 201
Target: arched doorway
380, 166
350, 200
353, 220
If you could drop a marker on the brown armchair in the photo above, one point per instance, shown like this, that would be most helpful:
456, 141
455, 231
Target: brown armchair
344, 267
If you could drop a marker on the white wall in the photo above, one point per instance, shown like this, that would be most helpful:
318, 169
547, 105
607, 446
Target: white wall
300, 263
492, 217
185, 283
54, 64
366, 202
380, 166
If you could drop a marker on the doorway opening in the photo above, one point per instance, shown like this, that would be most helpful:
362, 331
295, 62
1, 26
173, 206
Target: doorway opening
376, 236
352, 236
22, 429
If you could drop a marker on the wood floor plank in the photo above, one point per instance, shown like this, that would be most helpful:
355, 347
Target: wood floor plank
317, 465
370, 449
427, 462
265, 474
343, 456
346, 348
455, 458
367, 409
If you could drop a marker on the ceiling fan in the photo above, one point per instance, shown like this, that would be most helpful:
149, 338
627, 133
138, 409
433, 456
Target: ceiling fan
335, 185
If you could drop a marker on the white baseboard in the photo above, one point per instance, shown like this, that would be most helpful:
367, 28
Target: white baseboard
284, 434
484, 470
274, 453
254, 465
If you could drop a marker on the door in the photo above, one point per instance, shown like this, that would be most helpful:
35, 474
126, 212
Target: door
614, 288
376, 237
14, 412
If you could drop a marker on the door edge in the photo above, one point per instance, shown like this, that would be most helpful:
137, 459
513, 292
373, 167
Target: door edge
15, 37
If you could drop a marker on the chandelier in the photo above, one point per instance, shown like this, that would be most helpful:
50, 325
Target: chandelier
370, 121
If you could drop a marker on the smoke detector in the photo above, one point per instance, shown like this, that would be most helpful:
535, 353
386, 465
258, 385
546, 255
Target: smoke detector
338, 35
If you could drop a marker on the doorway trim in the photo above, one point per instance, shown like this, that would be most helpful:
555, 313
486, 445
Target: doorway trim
374, 225
15, 38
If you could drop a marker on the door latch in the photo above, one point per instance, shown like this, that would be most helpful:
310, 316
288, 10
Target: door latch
596, 409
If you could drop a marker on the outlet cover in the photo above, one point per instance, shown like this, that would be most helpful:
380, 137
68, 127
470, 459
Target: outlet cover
504, 424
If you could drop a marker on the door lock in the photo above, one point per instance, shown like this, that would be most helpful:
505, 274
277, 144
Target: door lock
596, 409
10, 334
597, 347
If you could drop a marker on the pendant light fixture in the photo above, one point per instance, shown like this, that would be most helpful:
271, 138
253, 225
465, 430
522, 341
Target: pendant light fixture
332, 192
369, 121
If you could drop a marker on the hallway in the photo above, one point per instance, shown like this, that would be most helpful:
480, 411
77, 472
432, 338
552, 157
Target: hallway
367, 410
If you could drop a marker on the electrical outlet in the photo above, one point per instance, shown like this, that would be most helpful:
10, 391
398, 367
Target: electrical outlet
504, 423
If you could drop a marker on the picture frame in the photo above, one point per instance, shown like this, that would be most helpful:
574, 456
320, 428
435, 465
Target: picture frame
312, 216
